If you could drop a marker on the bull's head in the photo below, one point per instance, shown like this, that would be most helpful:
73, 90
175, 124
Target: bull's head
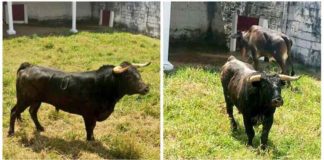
130, 79
269, 86
237, 35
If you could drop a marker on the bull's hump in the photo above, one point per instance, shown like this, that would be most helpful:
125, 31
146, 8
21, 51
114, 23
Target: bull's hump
231, 58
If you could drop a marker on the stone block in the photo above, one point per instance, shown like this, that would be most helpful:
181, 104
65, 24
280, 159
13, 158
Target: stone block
303, 43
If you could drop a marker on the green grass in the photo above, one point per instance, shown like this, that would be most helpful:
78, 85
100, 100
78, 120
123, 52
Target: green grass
196, 124
130, 132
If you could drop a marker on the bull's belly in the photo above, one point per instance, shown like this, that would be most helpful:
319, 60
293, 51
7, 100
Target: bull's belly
100, 112
265, 53
75, 108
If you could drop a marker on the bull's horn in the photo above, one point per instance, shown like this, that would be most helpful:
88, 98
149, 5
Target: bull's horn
119, 69
288, 78
141, 65
255, 78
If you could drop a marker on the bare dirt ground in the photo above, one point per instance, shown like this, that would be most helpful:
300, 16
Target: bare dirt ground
208, 57
39, 29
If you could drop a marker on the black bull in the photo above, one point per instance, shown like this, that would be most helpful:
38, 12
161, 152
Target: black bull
268, 43
255, 94
91, 94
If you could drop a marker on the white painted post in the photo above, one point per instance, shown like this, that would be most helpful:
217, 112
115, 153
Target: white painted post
11, 30
166, 31
111, 19
234, 30
73, 29
100, 17
26, 14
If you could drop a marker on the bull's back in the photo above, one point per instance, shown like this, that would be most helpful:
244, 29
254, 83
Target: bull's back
234, 66
32, 81
266, 41
232, 77
66, 91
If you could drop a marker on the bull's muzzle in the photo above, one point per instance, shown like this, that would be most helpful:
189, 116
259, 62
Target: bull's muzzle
277, 102
145, 90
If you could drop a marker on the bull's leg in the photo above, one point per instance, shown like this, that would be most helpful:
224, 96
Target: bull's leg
290, 63
15, 112
267, 123
255, 59
284, 69
19, 118
283, 66
90, 124
229, 109
244, 54
33, 113
248, 129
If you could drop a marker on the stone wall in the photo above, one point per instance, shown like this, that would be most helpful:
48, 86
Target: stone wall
304, 27
272, 11
300, 20
141, 17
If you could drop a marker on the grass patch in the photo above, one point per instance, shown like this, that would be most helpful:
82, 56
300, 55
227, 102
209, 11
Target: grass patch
196, 124
131, 131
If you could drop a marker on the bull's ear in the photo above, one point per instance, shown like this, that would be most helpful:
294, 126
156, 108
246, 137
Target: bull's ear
282, 83
256, 84
119, 69
236, 35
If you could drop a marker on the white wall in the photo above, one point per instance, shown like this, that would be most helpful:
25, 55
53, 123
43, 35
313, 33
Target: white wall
192, 19
188, 19
56, 10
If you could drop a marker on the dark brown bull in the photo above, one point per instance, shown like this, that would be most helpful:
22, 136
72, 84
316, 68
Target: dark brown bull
255, 94
91, 94
268, 43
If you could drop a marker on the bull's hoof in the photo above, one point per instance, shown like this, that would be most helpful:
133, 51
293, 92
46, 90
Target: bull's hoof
11, 133
234, 129
19, 119
263, 146
90, 139
40, 129
249, 144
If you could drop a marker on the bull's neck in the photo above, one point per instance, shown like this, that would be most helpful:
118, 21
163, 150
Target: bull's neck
110, 88
257, 100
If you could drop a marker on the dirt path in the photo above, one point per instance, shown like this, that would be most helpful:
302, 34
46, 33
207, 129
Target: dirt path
30, 29
180, 56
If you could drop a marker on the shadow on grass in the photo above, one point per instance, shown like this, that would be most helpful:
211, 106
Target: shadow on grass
241, 136
74, 148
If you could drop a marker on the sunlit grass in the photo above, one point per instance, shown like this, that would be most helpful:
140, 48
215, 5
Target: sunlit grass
130, 132
197, 125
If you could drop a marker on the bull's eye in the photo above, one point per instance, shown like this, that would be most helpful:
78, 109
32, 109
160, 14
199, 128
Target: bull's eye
137, 76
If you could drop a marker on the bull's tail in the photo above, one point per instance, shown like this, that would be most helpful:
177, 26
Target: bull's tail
292, 73
23, 66
289, 43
